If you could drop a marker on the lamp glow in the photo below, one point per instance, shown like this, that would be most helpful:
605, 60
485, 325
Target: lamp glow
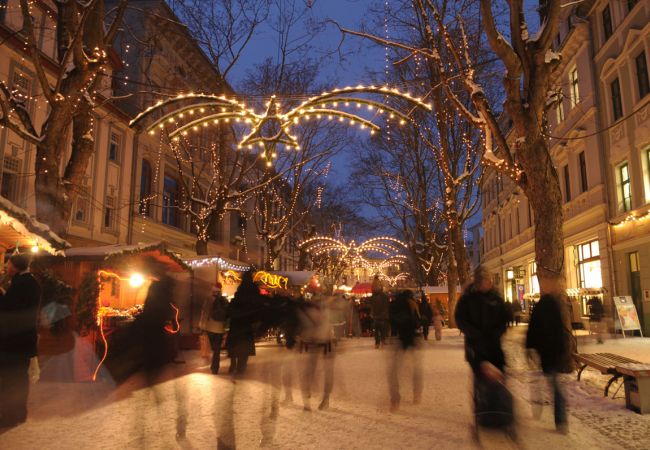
136, 280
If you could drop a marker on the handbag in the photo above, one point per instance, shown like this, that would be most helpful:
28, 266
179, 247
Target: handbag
34, 371
204, 346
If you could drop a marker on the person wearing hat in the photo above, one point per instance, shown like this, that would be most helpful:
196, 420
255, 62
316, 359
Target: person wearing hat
18, 336
213, 322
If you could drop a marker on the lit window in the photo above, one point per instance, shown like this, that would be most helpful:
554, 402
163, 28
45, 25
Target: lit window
559, 112
589, 271
625, 188
534, 282
575, 91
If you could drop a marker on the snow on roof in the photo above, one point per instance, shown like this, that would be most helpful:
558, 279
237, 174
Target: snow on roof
106, 252
28, 229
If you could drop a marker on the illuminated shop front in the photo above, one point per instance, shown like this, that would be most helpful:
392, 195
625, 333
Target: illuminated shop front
589, 273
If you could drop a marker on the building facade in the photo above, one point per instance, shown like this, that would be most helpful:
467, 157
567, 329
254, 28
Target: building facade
595, 165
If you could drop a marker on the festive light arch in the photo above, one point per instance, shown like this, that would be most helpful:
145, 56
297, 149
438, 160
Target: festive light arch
272, 126
358, 254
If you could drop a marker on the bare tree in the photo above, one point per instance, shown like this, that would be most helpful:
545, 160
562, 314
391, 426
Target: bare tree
524, 154
69, 85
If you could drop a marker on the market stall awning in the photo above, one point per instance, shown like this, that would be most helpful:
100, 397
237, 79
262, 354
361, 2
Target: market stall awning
219, 261
18, 228
113, 253
362, 288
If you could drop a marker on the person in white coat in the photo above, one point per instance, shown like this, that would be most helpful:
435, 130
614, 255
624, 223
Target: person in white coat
213, 321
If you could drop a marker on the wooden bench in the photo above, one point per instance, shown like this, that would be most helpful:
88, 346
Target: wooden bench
605, 363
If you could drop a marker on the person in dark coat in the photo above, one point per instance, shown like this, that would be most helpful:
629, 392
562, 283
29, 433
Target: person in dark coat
19, 307
426, 315
152, 325
482, 316
546, 336
241, 336
407, 321
379, 311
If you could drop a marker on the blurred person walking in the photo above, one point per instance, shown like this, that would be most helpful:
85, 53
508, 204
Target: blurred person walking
18, 338
437, 320
213, 321
379, 307
546, 336
482, 316
407, 321
426, 314
241, 335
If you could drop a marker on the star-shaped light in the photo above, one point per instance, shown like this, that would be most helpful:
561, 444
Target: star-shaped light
191, 112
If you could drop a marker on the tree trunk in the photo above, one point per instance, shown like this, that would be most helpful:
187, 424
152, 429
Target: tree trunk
545, 196
201, 247
460, 251
452, 281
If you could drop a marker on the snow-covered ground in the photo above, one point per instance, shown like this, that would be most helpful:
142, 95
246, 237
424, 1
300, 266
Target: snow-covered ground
250, 412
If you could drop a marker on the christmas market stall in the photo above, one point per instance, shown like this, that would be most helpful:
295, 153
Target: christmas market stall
112, 285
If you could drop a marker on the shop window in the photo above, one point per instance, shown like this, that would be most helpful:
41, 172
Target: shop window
589, 271
607, 22
584, 184
145, 188
625, 188
575, 91
534, 282
642, 75
617, 103
170, 212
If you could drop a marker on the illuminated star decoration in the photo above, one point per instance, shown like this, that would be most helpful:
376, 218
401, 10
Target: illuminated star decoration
191, 112
358, 254
392, 281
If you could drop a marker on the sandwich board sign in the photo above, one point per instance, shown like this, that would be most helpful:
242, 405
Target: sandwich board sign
627, 314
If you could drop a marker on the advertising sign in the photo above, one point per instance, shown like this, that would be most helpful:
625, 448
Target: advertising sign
627, 313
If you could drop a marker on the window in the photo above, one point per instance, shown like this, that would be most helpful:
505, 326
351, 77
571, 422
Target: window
607, 22
145, 188
583, 172
567, 184
534, 282
631, 4
110, 222
625, 188
10, 185
170, 214
21, 83
589, 272
617, 106
82, 206
575, 92
559, 112
114, 147
642, 75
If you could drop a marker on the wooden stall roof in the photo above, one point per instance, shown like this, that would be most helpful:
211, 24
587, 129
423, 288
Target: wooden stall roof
114, 253
18, 228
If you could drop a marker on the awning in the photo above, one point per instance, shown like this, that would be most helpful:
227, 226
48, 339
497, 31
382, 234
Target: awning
219, 261
579, 292
113, 253
18, 228
362, 288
